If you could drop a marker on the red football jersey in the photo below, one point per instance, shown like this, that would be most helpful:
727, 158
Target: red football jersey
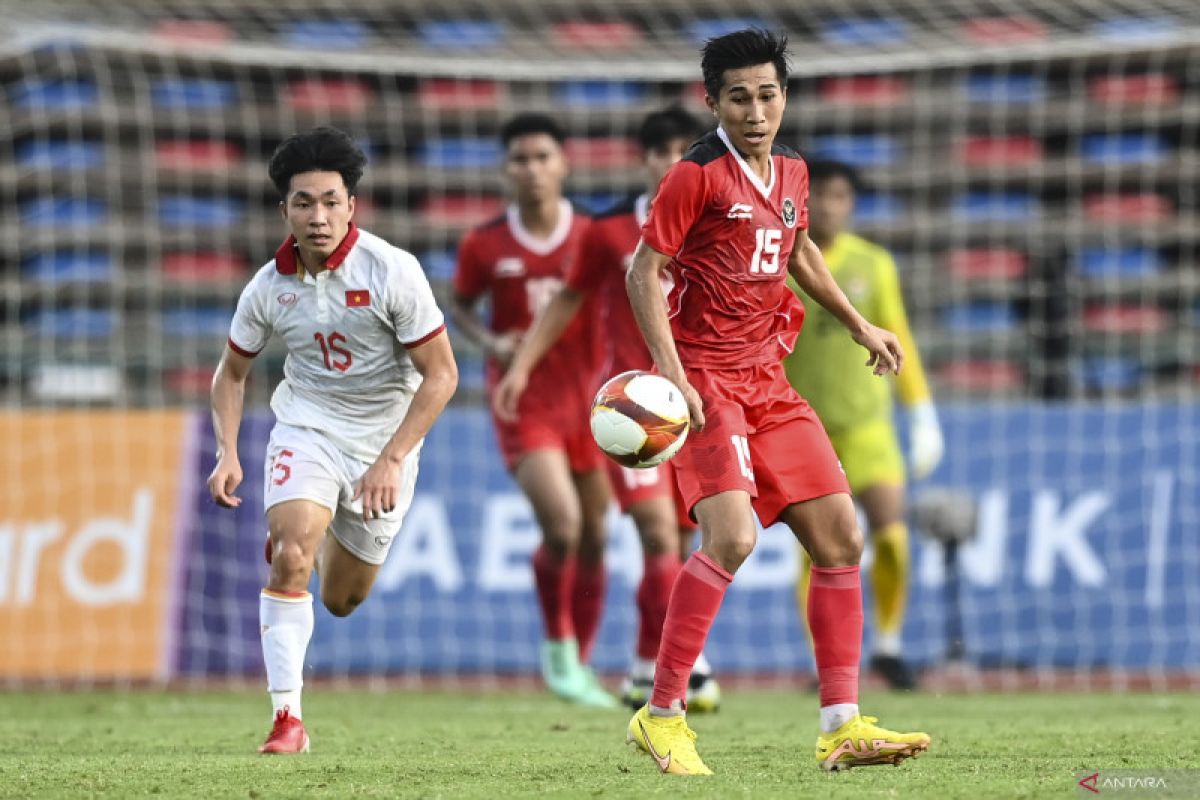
731, 237
599, 273
521, 274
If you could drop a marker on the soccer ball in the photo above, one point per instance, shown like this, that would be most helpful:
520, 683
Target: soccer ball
639, 420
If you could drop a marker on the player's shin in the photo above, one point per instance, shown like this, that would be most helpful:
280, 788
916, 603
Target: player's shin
694, 604
889, 581
554, 577
587, 603
286, 623
659, 574
835, 619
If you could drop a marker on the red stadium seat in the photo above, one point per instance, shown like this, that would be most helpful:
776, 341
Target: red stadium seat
446, 94
329, 94
198, 31
196, 154
987, 263
191, 381
201, 267
1003, 30
865, 90
978, 151
1127, 318
980, 376
602, 152
1142, 207
462, 210
596, 35
1145, 89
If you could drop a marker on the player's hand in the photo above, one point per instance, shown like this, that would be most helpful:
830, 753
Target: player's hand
378, 488
694, 403
925, 438
503, 347
508, 394
886, 353
224, 480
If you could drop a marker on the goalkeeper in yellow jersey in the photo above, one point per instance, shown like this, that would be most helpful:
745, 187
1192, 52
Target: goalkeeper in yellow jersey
856, 407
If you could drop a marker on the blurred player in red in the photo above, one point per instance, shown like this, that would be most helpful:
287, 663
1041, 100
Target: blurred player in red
518, 261
728, 224
647, 495
369, 368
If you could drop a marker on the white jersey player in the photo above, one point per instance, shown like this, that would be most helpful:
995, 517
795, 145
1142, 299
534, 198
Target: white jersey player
369, 368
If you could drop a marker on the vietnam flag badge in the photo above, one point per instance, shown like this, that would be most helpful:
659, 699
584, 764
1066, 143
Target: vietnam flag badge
357, 298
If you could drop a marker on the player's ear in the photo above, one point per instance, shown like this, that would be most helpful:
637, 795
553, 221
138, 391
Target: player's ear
350, 205
711, 102
283, 209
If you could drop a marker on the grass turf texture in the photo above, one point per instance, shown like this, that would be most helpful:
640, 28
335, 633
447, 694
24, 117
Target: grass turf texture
403, 744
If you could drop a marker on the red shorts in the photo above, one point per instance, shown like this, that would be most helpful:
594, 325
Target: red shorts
556, 429
759, 436
633, 486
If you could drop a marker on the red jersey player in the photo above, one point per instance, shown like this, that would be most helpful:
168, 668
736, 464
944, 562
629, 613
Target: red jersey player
726, 222
647, 495
519, 261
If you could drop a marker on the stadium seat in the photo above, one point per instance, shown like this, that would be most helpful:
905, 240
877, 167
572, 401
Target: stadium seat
205, 267
1004, 88
980, 376
986, 263
461, 34
599, 93
460, 153
877, 208
68, 266
982, 151
202, 321
1127, 208
865, 31
59, 154
865, 90
604, 152
78, 383
72, 323
701, 30
596, 202
57, 94
1123, 148
192, 31
196, 154
53, 212
346, 95
192, 94
1124, 318
611, 35
189, 381
439, 265
326, 34
861, 150
1110, 374
182, 210
1135, 28
460, 209
995, 206
1003, 30
979, 316
1150, 88
1103, 262
446, 95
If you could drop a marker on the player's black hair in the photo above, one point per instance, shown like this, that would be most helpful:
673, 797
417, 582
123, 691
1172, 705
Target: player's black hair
824, 169
323, 149
660, 127
744, 48
529, 123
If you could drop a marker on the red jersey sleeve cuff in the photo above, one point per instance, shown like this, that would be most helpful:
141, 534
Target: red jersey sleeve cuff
653, 241
426, 337
241, 351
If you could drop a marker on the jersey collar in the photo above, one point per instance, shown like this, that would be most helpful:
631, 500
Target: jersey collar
750, 174
542, 247
286, 262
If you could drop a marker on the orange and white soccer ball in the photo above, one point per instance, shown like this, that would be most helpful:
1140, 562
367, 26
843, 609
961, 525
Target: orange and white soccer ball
639, 420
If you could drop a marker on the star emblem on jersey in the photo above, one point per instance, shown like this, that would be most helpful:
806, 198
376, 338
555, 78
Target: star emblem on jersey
789, 212
357, 298
740, 211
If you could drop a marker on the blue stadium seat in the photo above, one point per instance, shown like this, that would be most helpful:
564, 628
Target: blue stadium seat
599, 93
1004, 88
340, 34
597, 202
865, 31
994, 206
464, 34
460, 153
182, 209
63, 266
701, 30
47, 212
59, 154
1123, 148
861, 150
1110, 374
877, 208
439, 264
204, 321
1101, 262
192, 93
979, 317
61, 94
1136, 29
67, 323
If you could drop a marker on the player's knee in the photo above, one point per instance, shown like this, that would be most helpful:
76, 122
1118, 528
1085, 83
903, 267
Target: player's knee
561, 536
343, 605
658, 535
845, 545
291, 565
733, 547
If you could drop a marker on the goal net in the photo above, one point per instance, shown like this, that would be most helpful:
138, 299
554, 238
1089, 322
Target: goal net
1032, 165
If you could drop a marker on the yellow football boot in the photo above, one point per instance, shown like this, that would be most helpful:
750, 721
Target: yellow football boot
669, 741
861, 743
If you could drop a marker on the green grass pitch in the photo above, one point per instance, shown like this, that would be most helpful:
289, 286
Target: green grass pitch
493, 745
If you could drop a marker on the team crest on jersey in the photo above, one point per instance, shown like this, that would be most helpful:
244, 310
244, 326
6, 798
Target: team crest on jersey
287, 299
789, 212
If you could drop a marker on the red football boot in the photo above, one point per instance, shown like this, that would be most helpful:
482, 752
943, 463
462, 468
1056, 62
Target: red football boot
287, 735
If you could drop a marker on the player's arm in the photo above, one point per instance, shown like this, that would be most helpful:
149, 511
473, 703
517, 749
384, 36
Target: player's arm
227, 397
499, 346
547, 329
808, 267
434, 360
643, 282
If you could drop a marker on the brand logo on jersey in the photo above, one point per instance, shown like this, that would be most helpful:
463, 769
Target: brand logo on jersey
740, 211
789, 212
357, 298
382, 541
287, 299
510, 267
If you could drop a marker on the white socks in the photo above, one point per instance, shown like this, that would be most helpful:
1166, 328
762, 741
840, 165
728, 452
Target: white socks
702, 667
835, 716
287, 625
641, 669
886, 644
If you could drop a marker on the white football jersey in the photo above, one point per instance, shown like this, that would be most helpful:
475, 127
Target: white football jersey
347, 331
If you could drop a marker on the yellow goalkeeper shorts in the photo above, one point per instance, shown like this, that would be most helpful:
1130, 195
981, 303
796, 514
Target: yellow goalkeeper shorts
870, 454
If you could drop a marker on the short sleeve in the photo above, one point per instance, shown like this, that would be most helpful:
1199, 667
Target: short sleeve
251, 330
676, 207
414, 313
470, 274
802, 197
587, 270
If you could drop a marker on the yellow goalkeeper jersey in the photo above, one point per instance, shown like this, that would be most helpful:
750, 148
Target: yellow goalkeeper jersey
826, 367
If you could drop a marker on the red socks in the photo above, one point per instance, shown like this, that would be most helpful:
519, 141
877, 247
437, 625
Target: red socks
835, 618
653, 594
694, 604
587, 604
554, 580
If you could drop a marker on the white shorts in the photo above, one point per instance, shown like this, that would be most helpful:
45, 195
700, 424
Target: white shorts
302, 464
